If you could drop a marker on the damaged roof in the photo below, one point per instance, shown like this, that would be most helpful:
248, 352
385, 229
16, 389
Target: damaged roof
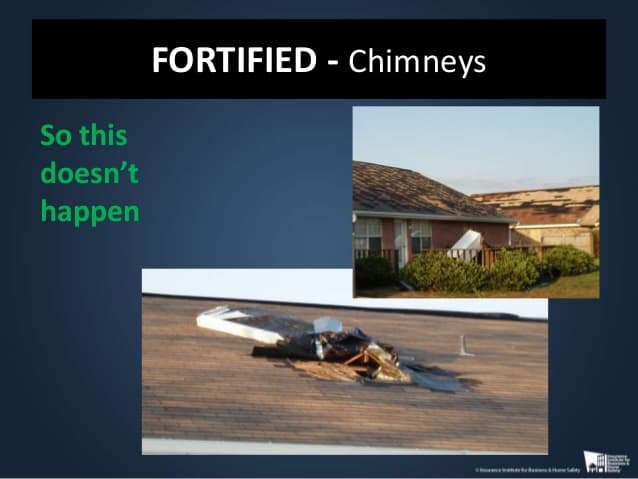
569, 205
305, 345
388, 189
204, 384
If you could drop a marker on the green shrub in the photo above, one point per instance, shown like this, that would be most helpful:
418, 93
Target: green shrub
569, 261
373, 271
512, 271
437, 271
547, 274
515, 270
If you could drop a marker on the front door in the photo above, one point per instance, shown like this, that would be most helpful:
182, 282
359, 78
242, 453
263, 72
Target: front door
401, 241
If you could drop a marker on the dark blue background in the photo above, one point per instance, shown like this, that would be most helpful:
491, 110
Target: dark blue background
254, 184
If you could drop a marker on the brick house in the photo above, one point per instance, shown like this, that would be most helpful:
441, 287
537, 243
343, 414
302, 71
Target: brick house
551, 216
398, 213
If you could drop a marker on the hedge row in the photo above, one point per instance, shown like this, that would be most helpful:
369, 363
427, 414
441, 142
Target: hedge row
436, 271
512, 271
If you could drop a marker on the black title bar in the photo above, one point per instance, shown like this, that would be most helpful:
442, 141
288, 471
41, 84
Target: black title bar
319, 59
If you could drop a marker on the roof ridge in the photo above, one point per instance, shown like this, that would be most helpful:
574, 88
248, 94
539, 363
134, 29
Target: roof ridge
386, 166
412, 171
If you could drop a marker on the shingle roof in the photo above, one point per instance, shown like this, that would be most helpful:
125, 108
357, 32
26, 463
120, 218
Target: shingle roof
387, 189
575, 204
203, 384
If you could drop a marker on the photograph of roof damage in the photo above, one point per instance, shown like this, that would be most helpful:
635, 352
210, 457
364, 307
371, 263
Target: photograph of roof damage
227, 376
431, 185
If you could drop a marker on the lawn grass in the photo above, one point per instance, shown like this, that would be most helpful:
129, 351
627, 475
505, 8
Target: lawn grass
581, 286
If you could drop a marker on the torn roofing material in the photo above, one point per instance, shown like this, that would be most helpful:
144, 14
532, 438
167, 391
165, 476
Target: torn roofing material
295, 340
567, 205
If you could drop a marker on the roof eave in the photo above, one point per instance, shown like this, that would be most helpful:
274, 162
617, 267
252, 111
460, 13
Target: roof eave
547, 225
434, 217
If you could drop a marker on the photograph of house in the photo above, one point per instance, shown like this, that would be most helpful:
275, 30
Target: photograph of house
475, 201
398, 213
551, 216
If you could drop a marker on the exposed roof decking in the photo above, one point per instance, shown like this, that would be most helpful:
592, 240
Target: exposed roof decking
199, 384
387, 189
569, 205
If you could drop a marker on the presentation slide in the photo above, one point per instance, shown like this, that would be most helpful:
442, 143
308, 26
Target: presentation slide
325, 239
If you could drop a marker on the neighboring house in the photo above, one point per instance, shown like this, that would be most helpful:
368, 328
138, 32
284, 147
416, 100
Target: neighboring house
399, 213
552, 216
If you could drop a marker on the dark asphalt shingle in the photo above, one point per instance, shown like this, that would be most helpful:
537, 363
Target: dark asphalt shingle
387, 189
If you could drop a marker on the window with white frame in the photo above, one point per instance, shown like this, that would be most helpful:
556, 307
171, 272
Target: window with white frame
420, 236
367, 234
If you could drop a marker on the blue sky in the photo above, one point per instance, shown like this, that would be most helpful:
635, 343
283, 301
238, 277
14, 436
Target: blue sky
483, 149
